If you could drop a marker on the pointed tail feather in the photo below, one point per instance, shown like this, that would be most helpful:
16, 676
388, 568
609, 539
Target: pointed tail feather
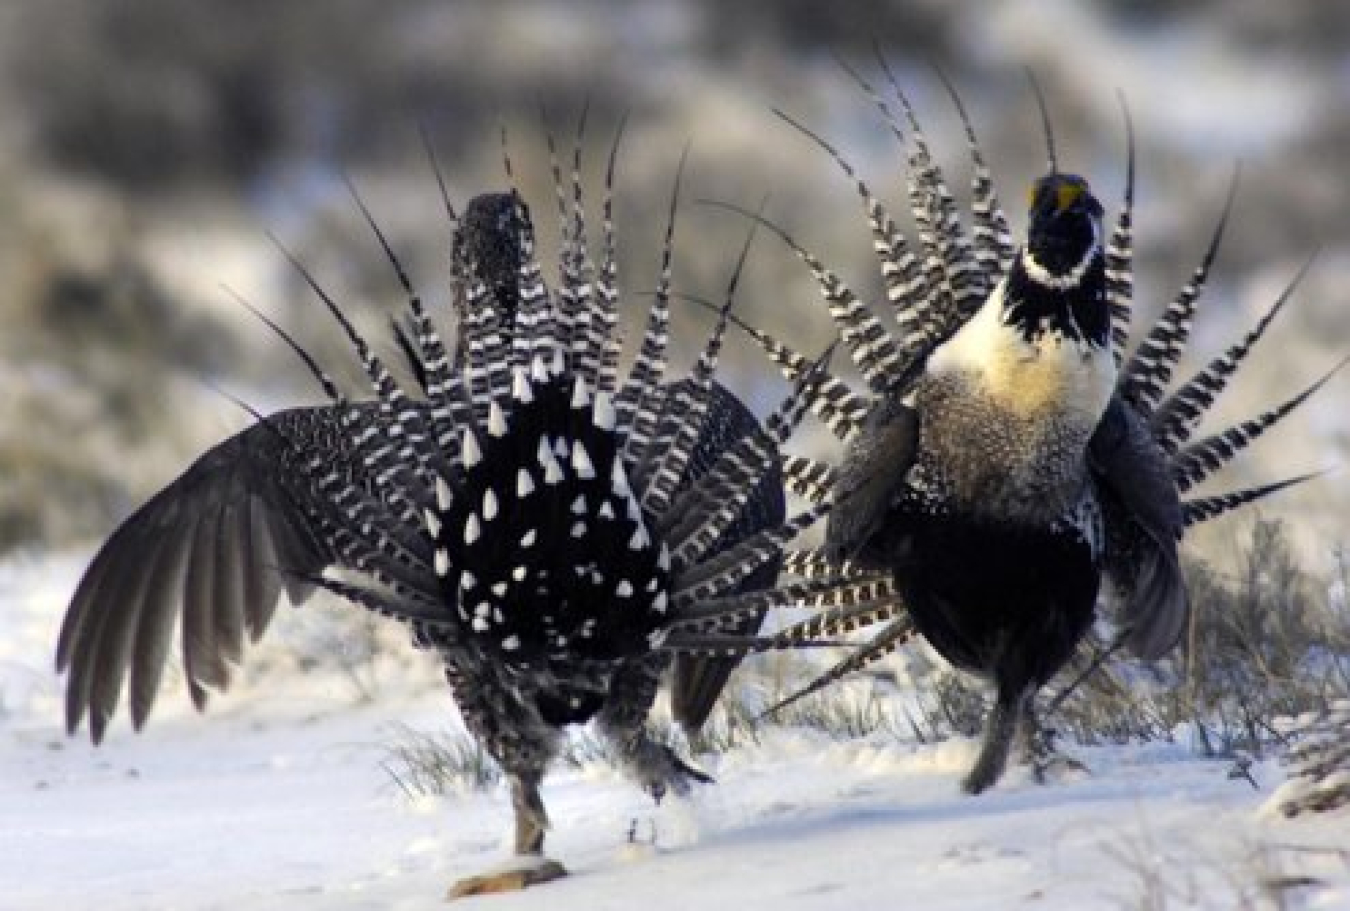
730, 567
708, 508
967, 285
844, 619
809, 479
1199, 460
1120, 254
1203, 509
868, 342
639, 402
1177, 416
894, 635
714, 613
902, 276
993, 243
839, 407
1145, 378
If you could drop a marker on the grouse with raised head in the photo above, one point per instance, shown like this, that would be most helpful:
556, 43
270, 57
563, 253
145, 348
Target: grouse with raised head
1006, 461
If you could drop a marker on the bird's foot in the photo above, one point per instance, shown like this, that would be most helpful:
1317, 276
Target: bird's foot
641, 841
1048, 765
637, 837
673, 824
662, 772
982, 777
1053, 767
513, 876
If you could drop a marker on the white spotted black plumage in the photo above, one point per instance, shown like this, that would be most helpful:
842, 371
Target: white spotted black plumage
539, 519
571, 501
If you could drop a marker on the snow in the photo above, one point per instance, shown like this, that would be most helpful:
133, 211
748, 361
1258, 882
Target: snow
277, 798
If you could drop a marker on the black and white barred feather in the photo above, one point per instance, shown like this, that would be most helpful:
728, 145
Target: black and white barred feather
527, 508
1142, 459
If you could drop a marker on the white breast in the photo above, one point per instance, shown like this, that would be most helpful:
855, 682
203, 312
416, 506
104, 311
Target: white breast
1053, 376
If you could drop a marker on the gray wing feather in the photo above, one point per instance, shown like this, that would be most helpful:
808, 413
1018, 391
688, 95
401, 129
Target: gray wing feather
1144, 521
204, 664
698, 681
215, 547
873, 470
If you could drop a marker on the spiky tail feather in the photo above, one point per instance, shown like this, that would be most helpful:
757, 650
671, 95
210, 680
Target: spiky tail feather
1204, 509
513, 473
458, 515
1149, 371
951, 268
895, 634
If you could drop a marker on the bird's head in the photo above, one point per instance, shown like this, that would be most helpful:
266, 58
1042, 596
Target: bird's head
1043, 339
498, 237
1057, 287
1064, 229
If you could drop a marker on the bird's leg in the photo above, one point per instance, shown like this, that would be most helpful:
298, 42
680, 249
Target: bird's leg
656, 768
622, 722
529, 867
513, 734
635, 836
1037, 746
531, 818
999, 730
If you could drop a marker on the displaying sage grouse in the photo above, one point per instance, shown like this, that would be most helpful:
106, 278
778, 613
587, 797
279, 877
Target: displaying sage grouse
1005, 459
554, 529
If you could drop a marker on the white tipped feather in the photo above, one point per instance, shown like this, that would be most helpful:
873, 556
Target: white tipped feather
470, 454
603, 413
496, 420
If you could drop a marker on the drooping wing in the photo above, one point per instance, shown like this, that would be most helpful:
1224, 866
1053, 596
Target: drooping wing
698, 681
209, 554
1144, 522
872, 472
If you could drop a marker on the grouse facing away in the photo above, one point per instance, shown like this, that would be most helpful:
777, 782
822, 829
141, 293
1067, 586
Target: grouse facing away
1006, 460
555, 530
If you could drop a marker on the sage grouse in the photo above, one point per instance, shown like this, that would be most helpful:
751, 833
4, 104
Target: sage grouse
1005, 459
554, 529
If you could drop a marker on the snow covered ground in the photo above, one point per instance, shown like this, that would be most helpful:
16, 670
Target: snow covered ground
278, 799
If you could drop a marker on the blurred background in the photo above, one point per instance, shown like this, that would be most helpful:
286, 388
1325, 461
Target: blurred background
147, 150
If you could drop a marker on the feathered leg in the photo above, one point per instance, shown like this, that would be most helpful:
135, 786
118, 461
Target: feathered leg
531, 818
529, 867
515, 736
1036, 746
622, 722
1011, 706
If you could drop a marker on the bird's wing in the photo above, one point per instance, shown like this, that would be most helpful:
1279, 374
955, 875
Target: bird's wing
1144, 521
697, 682
214, 549
872, 472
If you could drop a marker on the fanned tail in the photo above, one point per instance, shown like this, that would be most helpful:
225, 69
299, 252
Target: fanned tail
1176, 417
1149, 371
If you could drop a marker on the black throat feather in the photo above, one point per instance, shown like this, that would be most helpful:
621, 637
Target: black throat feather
1078, 312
